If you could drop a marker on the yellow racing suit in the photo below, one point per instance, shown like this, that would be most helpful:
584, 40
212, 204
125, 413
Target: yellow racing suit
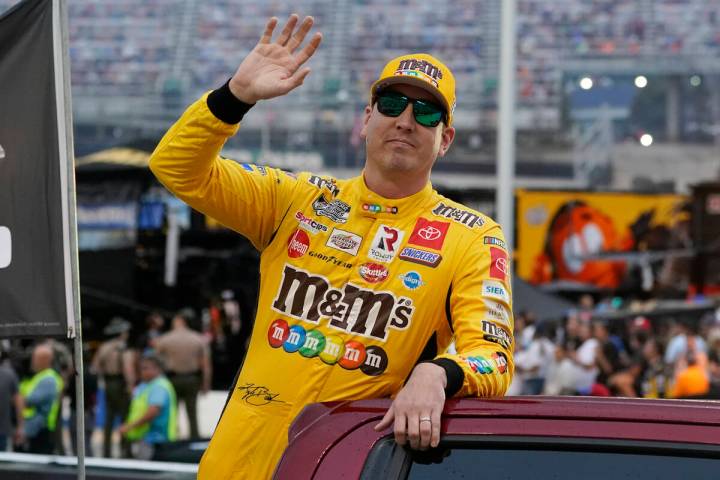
355, 289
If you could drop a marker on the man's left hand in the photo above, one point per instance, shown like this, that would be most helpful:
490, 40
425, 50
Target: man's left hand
417, 408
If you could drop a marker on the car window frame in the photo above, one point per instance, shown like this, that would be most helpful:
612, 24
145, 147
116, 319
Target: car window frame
389, 460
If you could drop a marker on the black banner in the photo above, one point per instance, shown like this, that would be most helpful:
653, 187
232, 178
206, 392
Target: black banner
33, 298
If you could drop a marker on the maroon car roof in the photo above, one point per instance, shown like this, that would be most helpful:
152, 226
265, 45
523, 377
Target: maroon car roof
332, 437
705, 412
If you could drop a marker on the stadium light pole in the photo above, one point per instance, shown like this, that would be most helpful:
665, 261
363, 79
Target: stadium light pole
504, 194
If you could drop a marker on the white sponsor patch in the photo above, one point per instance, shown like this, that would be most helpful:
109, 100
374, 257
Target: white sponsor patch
385, 244
497, 312
496, 290
344, 241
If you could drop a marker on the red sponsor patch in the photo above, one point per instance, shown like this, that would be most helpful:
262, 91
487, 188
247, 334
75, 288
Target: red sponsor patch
278, 333
498, 264
298, 244
429, 233
373, 272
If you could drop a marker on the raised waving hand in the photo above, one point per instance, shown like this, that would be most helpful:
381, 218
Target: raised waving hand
274, 68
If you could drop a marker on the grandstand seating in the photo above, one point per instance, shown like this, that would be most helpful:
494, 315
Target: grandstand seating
138, 62
131, 46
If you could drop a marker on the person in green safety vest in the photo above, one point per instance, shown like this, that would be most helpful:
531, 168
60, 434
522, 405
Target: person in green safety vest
41, 395
153, 410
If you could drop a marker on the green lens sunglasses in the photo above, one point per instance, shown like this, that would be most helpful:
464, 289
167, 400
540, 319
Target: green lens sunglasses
392, 104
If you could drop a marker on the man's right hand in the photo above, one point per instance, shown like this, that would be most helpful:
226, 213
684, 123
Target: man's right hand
272, 69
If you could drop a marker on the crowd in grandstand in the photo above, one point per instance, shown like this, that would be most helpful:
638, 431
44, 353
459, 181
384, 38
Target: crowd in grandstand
132, 46
125, 45
637, 356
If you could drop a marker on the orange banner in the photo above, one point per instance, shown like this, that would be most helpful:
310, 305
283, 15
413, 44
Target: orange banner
562, 234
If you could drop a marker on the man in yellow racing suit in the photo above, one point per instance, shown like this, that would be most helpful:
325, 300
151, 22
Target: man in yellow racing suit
364, 282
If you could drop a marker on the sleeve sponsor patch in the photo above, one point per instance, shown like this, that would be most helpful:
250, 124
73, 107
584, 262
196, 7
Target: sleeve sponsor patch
494, 241
495, 290
497, 334
479, 365
497, 312
498, 264
501, 361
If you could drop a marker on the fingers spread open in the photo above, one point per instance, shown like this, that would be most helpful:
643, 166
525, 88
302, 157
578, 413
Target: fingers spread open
299, 36
287, 30
304, 55
269, 27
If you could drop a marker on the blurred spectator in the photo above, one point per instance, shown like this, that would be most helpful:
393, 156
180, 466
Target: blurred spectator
608, 354
115, 364
90, 387
222, 346
533, 362
10, 402
678, 345
691, 381
155, 324
525, 327
64, 366
187, 358
561, 373
585, 360
41, 397
655, 380
153, 410
714, 374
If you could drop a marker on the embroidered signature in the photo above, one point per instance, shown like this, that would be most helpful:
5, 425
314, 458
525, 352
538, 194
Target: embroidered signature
257, 395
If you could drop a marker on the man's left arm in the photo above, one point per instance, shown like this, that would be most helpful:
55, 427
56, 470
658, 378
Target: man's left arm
480, 309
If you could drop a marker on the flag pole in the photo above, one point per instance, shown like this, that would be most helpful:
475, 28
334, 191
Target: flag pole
67, 178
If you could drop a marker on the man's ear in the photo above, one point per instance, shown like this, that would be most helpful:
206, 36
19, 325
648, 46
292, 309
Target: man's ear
366, 120
446, 139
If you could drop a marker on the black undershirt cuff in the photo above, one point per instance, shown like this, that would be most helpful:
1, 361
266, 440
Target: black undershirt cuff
226, 106
453, 372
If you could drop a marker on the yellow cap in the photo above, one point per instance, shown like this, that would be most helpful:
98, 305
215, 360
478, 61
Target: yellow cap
421, 70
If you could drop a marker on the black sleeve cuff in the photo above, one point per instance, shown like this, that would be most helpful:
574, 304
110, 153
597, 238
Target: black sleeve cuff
455, 375
226, 106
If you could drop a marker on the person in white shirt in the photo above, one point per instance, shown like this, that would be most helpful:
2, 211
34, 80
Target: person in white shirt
535, 361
